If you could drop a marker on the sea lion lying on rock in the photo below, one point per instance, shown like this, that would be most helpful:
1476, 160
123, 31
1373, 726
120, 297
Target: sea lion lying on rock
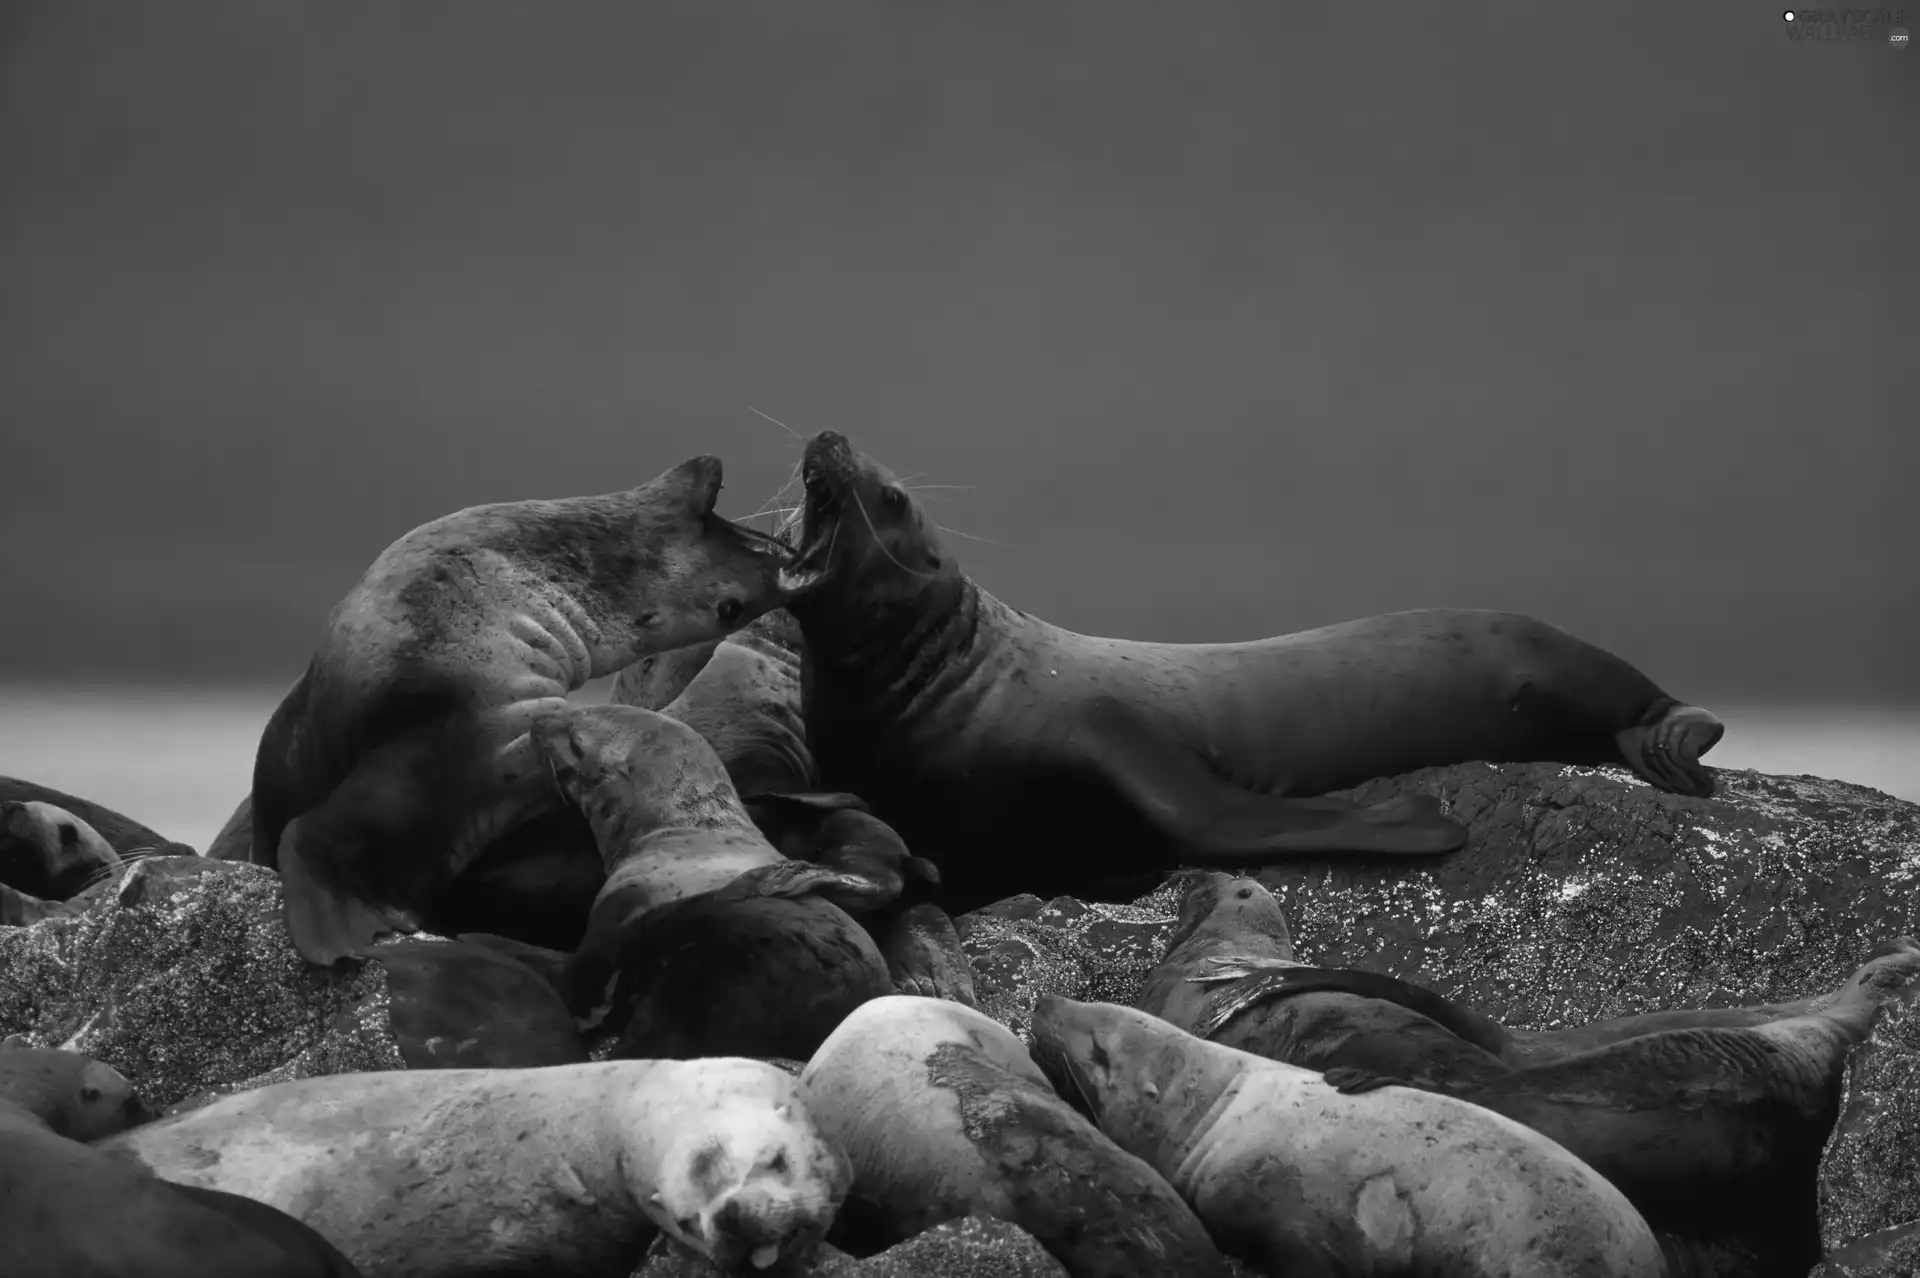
944, 1115
999, 746
402, 751
49, 853
1712, 1123
1297, 1177
567, 1169
67, 1210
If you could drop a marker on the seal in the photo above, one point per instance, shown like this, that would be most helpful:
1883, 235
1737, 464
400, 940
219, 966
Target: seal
48, 852
19, 909
455, 1005
704, 938
67, 1209
537, 884
403, 751
123, 833
997, 743
1296, 1177
944, 1114
1713, 1131
67, 1093
567, 1169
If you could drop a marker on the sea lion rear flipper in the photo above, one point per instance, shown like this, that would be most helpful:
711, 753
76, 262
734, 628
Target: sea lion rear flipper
1217, 821
924, 955
1664, 749
1349, 1081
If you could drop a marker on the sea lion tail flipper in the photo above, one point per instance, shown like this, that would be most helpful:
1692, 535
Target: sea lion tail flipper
1218, 822
326, 921
1664, 748
1350, 1081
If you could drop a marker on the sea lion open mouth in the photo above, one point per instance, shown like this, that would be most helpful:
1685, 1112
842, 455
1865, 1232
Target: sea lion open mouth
825, 475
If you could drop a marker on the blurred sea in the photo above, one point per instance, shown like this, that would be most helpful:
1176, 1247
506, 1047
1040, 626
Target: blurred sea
179, 759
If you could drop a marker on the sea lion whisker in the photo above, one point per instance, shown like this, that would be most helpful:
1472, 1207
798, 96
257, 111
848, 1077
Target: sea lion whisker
862, 508
972, 537
777, 422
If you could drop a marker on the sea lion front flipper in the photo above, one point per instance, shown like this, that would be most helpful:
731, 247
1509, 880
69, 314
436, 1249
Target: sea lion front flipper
1216, 821
1664, 749
326, 921
924, 955
1350, 1081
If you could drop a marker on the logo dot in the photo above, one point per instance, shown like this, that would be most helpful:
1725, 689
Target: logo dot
1789, 15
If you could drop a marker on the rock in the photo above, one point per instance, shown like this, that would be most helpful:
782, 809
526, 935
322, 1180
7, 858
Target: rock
972, 1247
180, 975
122, 833
1021, 947
1891, 1253
1870, 1173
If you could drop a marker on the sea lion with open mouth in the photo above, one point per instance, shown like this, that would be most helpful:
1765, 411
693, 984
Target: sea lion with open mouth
403, 750
1018, 756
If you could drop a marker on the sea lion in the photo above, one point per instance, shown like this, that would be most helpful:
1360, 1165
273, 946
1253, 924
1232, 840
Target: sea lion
48, 852
999, 745
123, 833
742, 692
704, 938
19, 909
69, 1210
453, 1005
402, 751
567, 1169
944, 1115
1713, 1132
1298, 1178
67, 1093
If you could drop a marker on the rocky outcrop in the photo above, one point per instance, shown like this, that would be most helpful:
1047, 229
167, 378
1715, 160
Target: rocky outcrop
1583, 894
1891, 1253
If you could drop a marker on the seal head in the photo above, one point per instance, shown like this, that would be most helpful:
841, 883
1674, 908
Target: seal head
859, 523
48, 852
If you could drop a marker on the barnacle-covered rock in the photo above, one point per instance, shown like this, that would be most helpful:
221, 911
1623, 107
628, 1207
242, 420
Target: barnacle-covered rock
180, 975
1891, 1253
1870, 1174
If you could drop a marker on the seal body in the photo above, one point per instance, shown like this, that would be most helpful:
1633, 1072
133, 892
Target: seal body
68, 1093
994, 741
1713, 1131
454, 1005
567, 1169
944, 1115
402, 751
122, 833
48, 852
704, 939
1298, 1178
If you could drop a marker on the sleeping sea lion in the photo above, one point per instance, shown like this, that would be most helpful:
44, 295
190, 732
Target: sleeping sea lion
1018, 756
566, 1170
402, 751
1298, 1178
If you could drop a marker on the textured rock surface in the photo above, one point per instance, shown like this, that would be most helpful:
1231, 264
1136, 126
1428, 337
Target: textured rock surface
1891, 1253
181, 977
974, 1247
1870, 1176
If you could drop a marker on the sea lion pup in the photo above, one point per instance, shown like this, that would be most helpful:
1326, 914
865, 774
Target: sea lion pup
944, 1115
123, 834
68, 1210
402, 751
1295, 1177
48, 852
704, 939
567, 1169
1714, 1133
995, 742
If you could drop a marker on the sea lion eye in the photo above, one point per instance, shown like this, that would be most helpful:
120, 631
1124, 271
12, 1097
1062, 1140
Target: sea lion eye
893, 500
1244, 894
89, 1095
730, 610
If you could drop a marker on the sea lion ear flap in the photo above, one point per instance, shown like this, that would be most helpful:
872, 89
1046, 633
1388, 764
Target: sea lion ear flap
695, 484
